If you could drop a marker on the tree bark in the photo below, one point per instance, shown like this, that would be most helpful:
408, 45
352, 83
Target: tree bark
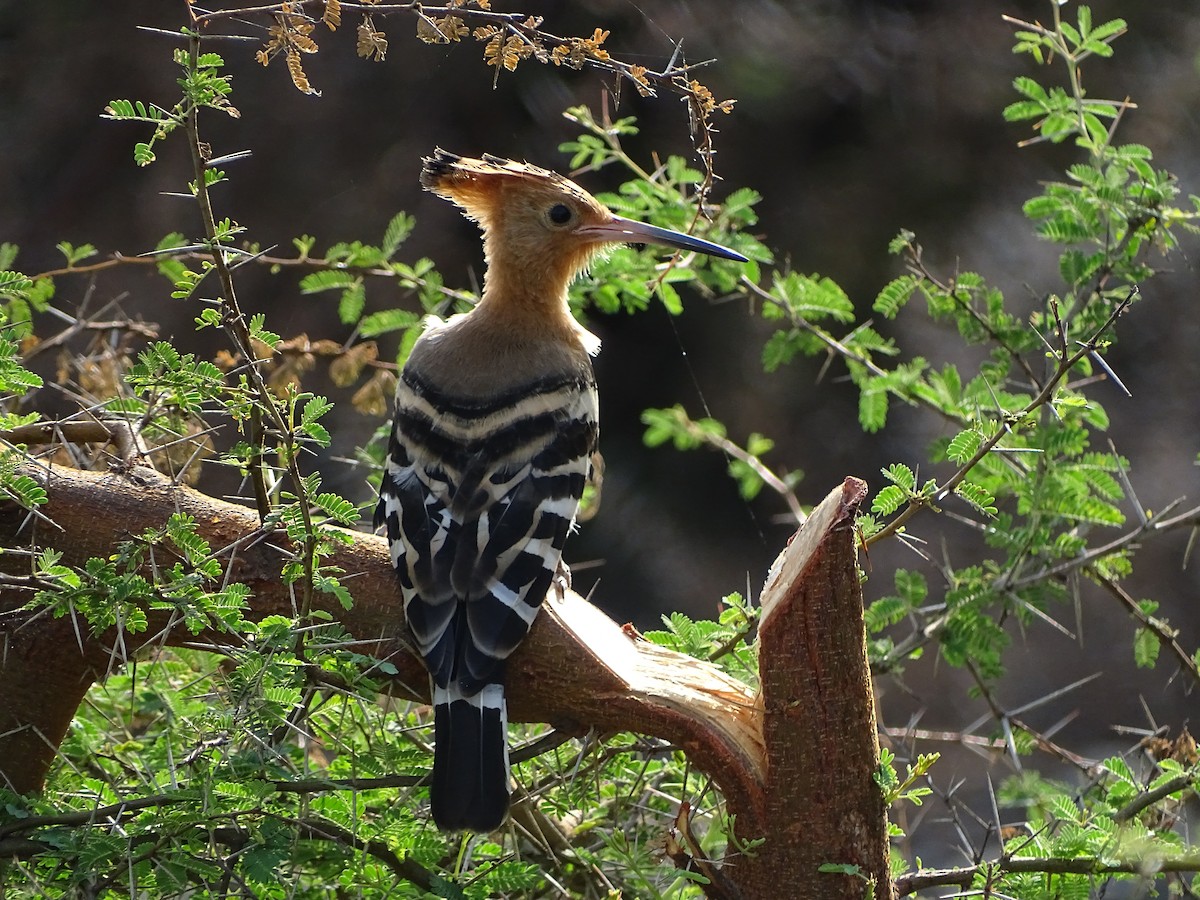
793, 764
820, 802
578, 668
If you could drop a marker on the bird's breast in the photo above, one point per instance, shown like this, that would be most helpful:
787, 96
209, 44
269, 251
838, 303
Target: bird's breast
484, 354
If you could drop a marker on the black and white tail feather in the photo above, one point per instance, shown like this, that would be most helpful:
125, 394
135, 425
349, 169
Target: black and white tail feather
478, 496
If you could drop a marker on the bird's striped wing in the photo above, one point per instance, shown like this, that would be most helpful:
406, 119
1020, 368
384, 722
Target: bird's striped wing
478, 499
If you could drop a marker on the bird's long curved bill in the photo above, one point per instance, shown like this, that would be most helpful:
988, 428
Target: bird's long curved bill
628, 231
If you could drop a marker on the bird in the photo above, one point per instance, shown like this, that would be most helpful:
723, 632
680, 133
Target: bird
494, 429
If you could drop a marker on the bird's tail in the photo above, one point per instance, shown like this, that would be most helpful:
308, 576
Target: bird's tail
470, 759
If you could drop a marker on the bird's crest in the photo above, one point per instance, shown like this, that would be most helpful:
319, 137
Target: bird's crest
540, 229
474, 184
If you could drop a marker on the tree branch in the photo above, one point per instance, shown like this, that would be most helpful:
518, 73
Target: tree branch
1050, 865
819, 725
577, 668
795, 765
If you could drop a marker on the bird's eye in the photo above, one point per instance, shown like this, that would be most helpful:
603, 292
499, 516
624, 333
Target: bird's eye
560, 214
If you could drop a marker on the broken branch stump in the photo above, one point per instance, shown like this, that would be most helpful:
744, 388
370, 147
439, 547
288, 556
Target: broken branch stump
820, 804
794, 762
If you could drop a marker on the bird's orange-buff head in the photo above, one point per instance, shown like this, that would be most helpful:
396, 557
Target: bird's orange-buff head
540, 229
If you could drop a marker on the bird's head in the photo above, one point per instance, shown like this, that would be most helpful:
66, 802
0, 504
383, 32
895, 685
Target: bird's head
537, 220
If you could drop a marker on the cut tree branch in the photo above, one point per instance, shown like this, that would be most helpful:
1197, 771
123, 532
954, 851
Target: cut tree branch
795, 764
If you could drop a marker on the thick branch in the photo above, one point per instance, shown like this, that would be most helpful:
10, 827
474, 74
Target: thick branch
820, 797
794, 764
577, 668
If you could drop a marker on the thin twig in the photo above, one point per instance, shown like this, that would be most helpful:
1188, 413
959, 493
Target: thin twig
1164, 635
963, 876
1150, 797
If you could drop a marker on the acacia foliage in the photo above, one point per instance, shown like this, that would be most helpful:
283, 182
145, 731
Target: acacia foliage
267, 764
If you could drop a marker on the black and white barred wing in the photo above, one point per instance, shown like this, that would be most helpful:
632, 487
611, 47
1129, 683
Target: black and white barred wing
414, 503
478, 501
514, 548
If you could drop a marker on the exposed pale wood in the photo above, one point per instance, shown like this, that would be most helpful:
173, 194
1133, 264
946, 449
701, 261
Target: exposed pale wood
578, 667
793, 763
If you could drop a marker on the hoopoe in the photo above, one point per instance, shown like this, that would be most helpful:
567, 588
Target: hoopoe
495, 424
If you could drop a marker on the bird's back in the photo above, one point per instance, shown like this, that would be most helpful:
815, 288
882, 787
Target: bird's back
496, 424
480, 490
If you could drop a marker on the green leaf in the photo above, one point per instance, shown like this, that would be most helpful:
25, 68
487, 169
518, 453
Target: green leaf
352, 302
1076, 267
318, 432
813, 297
669, 297
75, 254
25, 490
259, 333
407, 340
872, 409
739, 205
901, 242
964, 445
356, 254
397, 231
386, 320
1113, 28
14, 379
780, 348
888, 500
1031, 89
314, 408
14, 284
885, 611
142, 154
894, 295
1022, 110
977, 496
327, 280
181, 529
1146, 647
911, 586
260, 864
337, 508
901, 476
327, 584
1069, 32
662, 425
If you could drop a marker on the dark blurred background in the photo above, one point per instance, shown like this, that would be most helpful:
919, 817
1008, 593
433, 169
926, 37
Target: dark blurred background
854, 120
